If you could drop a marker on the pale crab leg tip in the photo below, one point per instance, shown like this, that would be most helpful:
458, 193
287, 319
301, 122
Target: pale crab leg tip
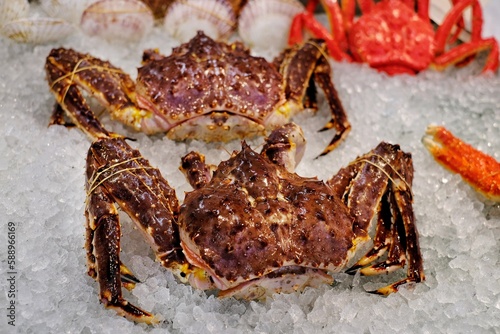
128, 285
392, 288
378, 269
128, 275
385, 291
131, 312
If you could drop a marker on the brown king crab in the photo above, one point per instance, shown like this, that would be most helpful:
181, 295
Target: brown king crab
251, 226
204, 90
393, 37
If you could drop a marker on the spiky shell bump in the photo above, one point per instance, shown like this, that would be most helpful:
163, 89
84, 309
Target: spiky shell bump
265, 24
37, 30
117, 20
216, 19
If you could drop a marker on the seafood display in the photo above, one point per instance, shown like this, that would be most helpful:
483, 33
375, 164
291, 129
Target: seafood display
204, 90
251, 226
478, 169
391, 37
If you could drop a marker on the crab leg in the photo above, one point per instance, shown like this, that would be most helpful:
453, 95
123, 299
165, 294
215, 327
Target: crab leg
335, 41
478, 169
464, 52
322, 76
379, 184
297, 78
67, 70
118, 174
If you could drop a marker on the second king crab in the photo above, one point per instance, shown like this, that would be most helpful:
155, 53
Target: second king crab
393, 37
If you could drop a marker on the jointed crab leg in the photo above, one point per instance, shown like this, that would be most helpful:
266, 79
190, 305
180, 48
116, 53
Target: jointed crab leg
67, 70
464, 51
313, 52
118, 174
337, 44
379, 184
478, 169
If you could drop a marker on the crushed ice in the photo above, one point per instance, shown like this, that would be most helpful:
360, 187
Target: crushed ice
41, 179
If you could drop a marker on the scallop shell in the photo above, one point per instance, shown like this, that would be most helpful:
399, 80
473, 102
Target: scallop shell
69, 10
265, 24
37, 30
118, 20
11, 10
215, 18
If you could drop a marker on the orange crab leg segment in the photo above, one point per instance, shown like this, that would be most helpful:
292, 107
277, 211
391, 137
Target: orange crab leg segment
478, 169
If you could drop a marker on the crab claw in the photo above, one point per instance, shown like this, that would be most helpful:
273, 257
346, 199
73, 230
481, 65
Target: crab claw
478, 169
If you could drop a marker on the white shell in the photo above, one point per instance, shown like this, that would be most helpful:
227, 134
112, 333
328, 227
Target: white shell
69, 10
265, 24
118, 20
37, 30
11, 10
215, 18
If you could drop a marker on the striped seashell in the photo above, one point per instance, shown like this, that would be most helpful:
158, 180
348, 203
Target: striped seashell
216, 18
37, 30
11, 10
69, 10
126, 20
265, 24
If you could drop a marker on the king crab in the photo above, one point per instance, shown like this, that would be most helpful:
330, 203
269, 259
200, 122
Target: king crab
204, 90
251, 226
391, 37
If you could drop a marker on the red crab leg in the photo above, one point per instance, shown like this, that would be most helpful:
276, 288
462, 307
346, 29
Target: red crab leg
423, 9
461, 52
451, 20
464, 52
333, 41
478, 169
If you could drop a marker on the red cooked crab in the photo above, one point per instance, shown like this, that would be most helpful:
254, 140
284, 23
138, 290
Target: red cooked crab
251, 226
391, 37
204, 90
